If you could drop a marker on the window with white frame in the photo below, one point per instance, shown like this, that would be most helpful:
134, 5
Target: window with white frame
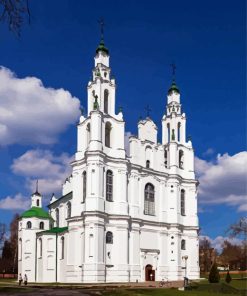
149, 200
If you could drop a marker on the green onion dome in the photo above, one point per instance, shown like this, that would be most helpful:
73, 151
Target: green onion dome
102, 47
173, 88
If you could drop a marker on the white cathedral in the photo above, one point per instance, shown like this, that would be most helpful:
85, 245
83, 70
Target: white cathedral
121, 218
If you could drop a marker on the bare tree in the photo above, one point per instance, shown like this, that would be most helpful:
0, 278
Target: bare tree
239, 229
14, 13
207, 254
14, 239
2, 232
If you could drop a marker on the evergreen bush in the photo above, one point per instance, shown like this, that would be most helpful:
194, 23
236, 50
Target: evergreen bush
214, 276
228, 277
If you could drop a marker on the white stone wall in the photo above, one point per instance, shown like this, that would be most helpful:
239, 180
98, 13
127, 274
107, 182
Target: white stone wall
27, 249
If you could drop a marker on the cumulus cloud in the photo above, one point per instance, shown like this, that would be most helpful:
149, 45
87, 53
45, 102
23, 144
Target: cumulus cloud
209, 152
223, 181
31, 112
18, 202
49, 169
217, 242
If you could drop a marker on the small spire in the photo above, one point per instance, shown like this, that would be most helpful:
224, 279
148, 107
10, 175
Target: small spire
37, 186
37, 189
148, 110
174, 85
101, 23
173, 66
101, 46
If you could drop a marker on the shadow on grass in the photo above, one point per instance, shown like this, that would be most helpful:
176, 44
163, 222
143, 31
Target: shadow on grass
10, 290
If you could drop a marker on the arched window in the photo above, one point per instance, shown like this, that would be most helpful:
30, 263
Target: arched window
57, 217
168, 132
166, 158
109, 185
108, 134
37, 202
62, 247
41, 225
69, 209
149, 203
88, 133
148, 156
84, 176
182, 202
106, 95
183, 244
29, 225
109, 237
181, 159
173, 135
179, 127
40, 247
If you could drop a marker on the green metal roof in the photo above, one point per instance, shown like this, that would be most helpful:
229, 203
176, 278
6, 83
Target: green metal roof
102, 47
56, 230
36, 212
173, 87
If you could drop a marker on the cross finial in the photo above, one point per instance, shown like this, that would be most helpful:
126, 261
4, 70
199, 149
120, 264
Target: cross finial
173, 66
147, 110
101, 23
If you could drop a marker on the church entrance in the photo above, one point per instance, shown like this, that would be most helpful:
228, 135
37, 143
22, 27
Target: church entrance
149, 273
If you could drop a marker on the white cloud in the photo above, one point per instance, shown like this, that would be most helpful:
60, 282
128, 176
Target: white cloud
43, 165
208, 152
218, 241
32, 113
223, 181
18, 202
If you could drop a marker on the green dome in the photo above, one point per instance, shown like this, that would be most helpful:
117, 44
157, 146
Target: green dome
36, 212
102, 47
173, 87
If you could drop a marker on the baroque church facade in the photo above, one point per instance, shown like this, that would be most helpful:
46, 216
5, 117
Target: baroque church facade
121, 218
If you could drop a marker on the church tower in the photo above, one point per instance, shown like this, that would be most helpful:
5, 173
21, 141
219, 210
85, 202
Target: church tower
179, 155
99, 171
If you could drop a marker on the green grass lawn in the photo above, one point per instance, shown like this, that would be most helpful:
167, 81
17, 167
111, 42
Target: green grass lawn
157, 292
203, 288
239, 284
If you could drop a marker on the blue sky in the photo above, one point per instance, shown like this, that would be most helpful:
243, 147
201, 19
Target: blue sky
206, 40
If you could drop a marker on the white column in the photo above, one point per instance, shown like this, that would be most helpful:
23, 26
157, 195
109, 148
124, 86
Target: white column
183, 131
134, 253
96, 131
